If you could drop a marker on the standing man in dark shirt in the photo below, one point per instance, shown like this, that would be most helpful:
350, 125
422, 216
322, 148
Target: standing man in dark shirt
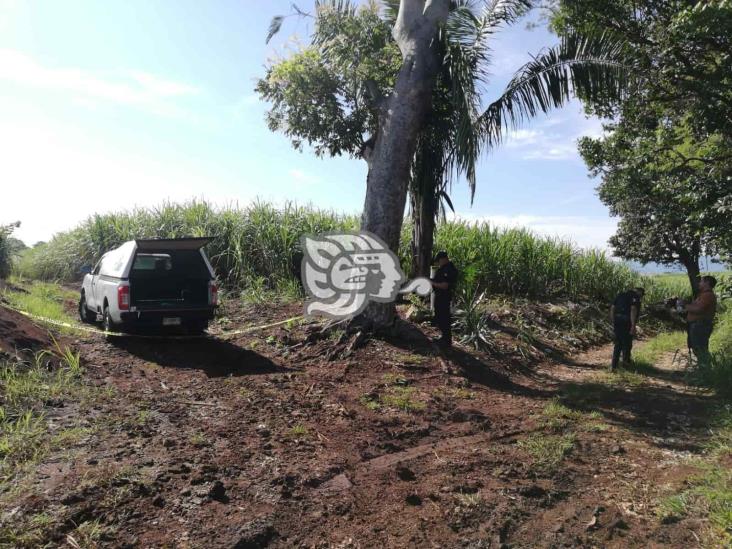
443, 285
624, 314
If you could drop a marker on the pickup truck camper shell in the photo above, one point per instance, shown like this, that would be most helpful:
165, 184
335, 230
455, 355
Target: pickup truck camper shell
151, 283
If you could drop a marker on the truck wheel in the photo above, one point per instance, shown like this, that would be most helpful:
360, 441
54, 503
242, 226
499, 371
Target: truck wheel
107, 322
84, 313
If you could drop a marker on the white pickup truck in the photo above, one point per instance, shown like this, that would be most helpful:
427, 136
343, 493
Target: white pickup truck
151, 284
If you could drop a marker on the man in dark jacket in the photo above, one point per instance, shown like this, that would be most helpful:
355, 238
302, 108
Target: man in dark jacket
443, 284
624, 313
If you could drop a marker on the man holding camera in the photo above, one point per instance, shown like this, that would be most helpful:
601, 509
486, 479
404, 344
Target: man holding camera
624, 314
700, 318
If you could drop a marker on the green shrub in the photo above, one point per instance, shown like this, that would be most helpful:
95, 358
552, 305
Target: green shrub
7, 250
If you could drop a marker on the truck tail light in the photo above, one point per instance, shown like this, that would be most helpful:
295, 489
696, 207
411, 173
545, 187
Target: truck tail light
213, 293
123, 297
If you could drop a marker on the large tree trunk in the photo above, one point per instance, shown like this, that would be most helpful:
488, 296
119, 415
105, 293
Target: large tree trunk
423, 231
692, 271
690, 260
400, 121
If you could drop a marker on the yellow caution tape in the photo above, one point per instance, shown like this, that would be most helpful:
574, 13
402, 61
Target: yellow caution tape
148, 336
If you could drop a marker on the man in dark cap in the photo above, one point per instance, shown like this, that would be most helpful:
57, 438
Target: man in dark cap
443, 285
624, 313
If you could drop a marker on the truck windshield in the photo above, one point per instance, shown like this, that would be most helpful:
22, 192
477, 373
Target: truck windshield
185, 263
152, 262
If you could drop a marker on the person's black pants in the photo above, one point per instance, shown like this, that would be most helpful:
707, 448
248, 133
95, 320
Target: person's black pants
623, 340
443, 319
698, 333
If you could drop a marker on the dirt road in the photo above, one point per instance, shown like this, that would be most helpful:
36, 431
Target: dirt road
268, 440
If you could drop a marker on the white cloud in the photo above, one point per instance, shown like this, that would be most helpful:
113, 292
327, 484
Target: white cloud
548, 149
522, 138
585, 232
553, 138
302, 178
124, 87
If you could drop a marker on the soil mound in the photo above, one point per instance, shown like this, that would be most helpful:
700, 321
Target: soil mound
18, 334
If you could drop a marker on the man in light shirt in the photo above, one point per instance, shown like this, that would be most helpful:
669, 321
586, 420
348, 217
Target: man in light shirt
700, 318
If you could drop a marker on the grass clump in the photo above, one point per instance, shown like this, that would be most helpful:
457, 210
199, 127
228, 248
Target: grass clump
548, 451
557, 418
708, 493
622, 377
41, 299
25, 390
198, 440
397, 394
403, 399
32, 534
298, 431
371, 402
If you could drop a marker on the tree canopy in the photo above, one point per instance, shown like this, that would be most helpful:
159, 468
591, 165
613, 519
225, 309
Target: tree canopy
666, 161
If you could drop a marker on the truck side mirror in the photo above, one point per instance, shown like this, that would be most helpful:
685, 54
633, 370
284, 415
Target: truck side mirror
85, 269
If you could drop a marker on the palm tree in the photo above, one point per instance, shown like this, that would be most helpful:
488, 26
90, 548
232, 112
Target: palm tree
458, 131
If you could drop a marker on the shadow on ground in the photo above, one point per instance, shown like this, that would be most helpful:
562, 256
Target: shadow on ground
215, 357
675, 417
410, 338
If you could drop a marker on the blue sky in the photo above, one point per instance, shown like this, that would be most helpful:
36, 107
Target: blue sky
109, 105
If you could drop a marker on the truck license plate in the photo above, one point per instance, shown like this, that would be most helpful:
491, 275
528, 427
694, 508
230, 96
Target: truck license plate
171, 321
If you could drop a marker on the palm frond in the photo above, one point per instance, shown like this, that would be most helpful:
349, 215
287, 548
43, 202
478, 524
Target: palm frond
274, 27
390, 10
590, 66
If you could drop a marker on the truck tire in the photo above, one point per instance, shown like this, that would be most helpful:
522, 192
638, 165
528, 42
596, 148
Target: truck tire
84, 313
107, 322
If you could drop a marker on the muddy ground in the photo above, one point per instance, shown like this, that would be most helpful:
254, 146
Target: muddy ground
279, 439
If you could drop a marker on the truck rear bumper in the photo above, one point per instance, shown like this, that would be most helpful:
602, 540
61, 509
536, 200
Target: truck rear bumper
154, 318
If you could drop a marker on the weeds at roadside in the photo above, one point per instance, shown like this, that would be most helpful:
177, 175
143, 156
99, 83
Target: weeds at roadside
88, 534
26, 390
558, 417
394, 379
198, 440
395, 396
457, 393
29, 534
43, 299
298, 431
548, 451
143, 417
370, 402
403, 399
408, 359
622, 377
468, 501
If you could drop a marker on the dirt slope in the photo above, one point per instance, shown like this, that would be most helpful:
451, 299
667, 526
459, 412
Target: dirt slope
19, 335
268, 440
